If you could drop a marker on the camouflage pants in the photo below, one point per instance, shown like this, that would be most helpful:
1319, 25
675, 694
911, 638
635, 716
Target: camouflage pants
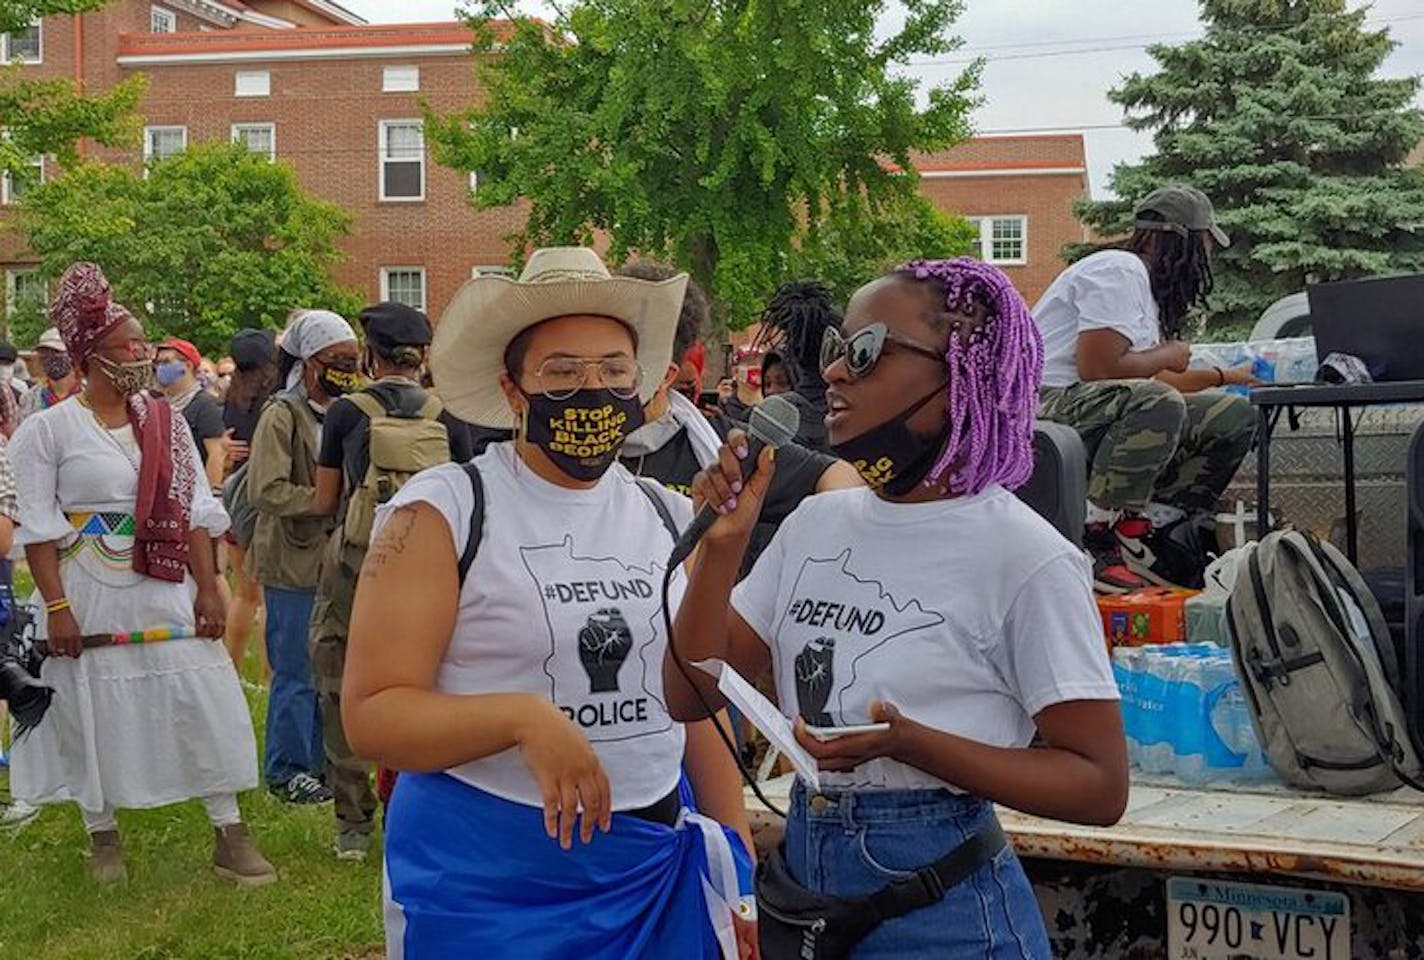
1147, 442
348, 777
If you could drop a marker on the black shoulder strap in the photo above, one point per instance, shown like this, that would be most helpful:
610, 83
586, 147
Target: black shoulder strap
930, 883
477, 521
664, 514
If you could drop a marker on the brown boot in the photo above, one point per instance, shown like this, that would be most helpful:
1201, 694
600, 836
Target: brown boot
106, 859
235, 857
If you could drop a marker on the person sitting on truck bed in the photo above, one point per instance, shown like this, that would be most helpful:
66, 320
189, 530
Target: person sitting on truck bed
1164, 444
934, 589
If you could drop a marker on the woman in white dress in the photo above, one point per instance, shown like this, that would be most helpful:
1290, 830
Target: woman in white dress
118, 534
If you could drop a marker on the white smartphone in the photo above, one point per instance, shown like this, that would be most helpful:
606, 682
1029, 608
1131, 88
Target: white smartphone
831, 733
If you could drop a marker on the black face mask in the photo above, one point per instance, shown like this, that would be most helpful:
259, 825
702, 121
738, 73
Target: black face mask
889, 456
581, 434
338, 383
56, 366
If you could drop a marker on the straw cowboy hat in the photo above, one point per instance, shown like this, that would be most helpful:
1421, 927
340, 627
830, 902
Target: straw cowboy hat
467, 356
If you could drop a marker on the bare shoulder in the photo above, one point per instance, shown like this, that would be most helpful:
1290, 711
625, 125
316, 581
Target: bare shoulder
406, 536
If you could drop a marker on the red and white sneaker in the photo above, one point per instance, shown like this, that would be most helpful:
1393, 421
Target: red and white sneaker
1111, 574
1168, 556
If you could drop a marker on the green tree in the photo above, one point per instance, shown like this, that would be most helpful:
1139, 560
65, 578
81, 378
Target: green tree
1277, 113
846, 253
210, 241
719, 134
50, 116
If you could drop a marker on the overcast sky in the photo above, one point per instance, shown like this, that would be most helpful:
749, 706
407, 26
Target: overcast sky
1051, 61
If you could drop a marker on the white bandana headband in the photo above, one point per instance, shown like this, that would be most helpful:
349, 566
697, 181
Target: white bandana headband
311, 333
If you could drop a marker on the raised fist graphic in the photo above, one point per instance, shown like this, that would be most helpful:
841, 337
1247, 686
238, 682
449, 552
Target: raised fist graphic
604, 643
815, 672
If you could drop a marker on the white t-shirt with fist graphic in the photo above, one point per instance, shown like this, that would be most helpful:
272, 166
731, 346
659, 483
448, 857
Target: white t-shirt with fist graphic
969, 615
564, 601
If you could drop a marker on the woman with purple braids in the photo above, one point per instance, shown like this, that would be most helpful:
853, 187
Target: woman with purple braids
932, 604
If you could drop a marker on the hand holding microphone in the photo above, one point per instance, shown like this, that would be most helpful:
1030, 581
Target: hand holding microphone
729, 493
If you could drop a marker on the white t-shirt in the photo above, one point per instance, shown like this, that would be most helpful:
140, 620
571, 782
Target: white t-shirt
970, 615
564, 601
1110, 290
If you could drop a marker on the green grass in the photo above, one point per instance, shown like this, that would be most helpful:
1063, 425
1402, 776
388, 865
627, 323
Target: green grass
172, 905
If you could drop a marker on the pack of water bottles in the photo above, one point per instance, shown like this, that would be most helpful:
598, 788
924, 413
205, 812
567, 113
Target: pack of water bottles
1290, 360
1185, 714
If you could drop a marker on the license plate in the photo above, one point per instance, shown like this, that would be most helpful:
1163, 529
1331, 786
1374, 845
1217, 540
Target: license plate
1213, 920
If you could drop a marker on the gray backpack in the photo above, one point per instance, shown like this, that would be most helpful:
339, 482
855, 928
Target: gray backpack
1318, 669
239, 507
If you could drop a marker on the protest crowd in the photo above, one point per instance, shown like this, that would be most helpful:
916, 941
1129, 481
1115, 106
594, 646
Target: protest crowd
452, 542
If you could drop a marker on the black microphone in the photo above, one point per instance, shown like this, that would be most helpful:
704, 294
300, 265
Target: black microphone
774, 422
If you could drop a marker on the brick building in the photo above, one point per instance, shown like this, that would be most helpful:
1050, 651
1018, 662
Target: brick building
1020, 192
310, 84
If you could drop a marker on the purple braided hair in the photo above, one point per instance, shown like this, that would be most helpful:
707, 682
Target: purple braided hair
994, 374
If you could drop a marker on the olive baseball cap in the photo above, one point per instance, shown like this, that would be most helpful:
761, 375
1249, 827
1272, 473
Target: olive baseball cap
1182, 209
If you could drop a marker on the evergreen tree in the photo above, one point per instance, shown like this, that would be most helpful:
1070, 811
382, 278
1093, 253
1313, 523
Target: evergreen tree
1278, 114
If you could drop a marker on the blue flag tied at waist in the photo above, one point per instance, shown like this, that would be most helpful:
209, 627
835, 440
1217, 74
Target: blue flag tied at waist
470, 874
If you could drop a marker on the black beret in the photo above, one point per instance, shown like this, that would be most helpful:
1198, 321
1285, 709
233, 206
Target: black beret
389, 326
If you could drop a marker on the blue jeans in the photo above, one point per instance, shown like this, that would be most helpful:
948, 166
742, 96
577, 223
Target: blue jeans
852, 844
294, 743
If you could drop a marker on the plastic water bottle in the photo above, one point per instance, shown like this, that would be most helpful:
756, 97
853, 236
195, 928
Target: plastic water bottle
1231, 723
1154, 703
1224, 753
1189, 696
1125, 665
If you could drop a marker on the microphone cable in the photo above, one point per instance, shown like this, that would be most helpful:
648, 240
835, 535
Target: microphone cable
747, 775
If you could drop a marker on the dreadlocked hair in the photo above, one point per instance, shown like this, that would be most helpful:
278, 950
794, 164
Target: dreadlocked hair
995, 365
794, 322
1180, 268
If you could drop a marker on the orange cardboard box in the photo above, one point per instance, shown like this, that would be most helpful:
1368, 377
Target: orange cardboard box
1154, 615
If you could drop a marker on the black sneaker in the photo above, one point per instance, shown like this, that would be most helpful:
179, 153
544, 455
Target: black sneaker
1170, 556
302, 789
1111, 575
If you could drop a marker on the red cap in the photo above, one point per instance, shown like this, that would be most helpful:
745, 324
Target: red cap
186, 350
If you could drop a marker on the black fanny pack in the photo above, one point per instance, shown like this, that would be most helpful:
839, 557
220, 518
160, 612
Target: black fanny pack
796, 924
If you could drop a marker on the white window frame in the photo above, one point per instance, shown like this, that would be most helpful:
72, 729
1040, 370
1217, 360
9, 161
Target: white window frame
259, 83
271, 128
424, 284
383, 145
404, 78
12, 286
5, 46
985, 223
148, 133
7, 186
163, 15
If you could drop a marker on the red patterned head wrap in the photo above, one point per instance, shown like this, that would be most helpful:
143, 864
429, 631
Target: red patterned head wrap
84, 310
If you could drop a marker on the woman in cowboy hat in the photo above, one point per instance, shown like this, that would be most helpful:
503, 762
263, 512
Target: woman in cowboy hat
549, 820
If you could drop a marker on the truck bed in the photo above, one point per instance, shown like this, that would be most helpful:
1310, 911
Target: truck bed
1375, 841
